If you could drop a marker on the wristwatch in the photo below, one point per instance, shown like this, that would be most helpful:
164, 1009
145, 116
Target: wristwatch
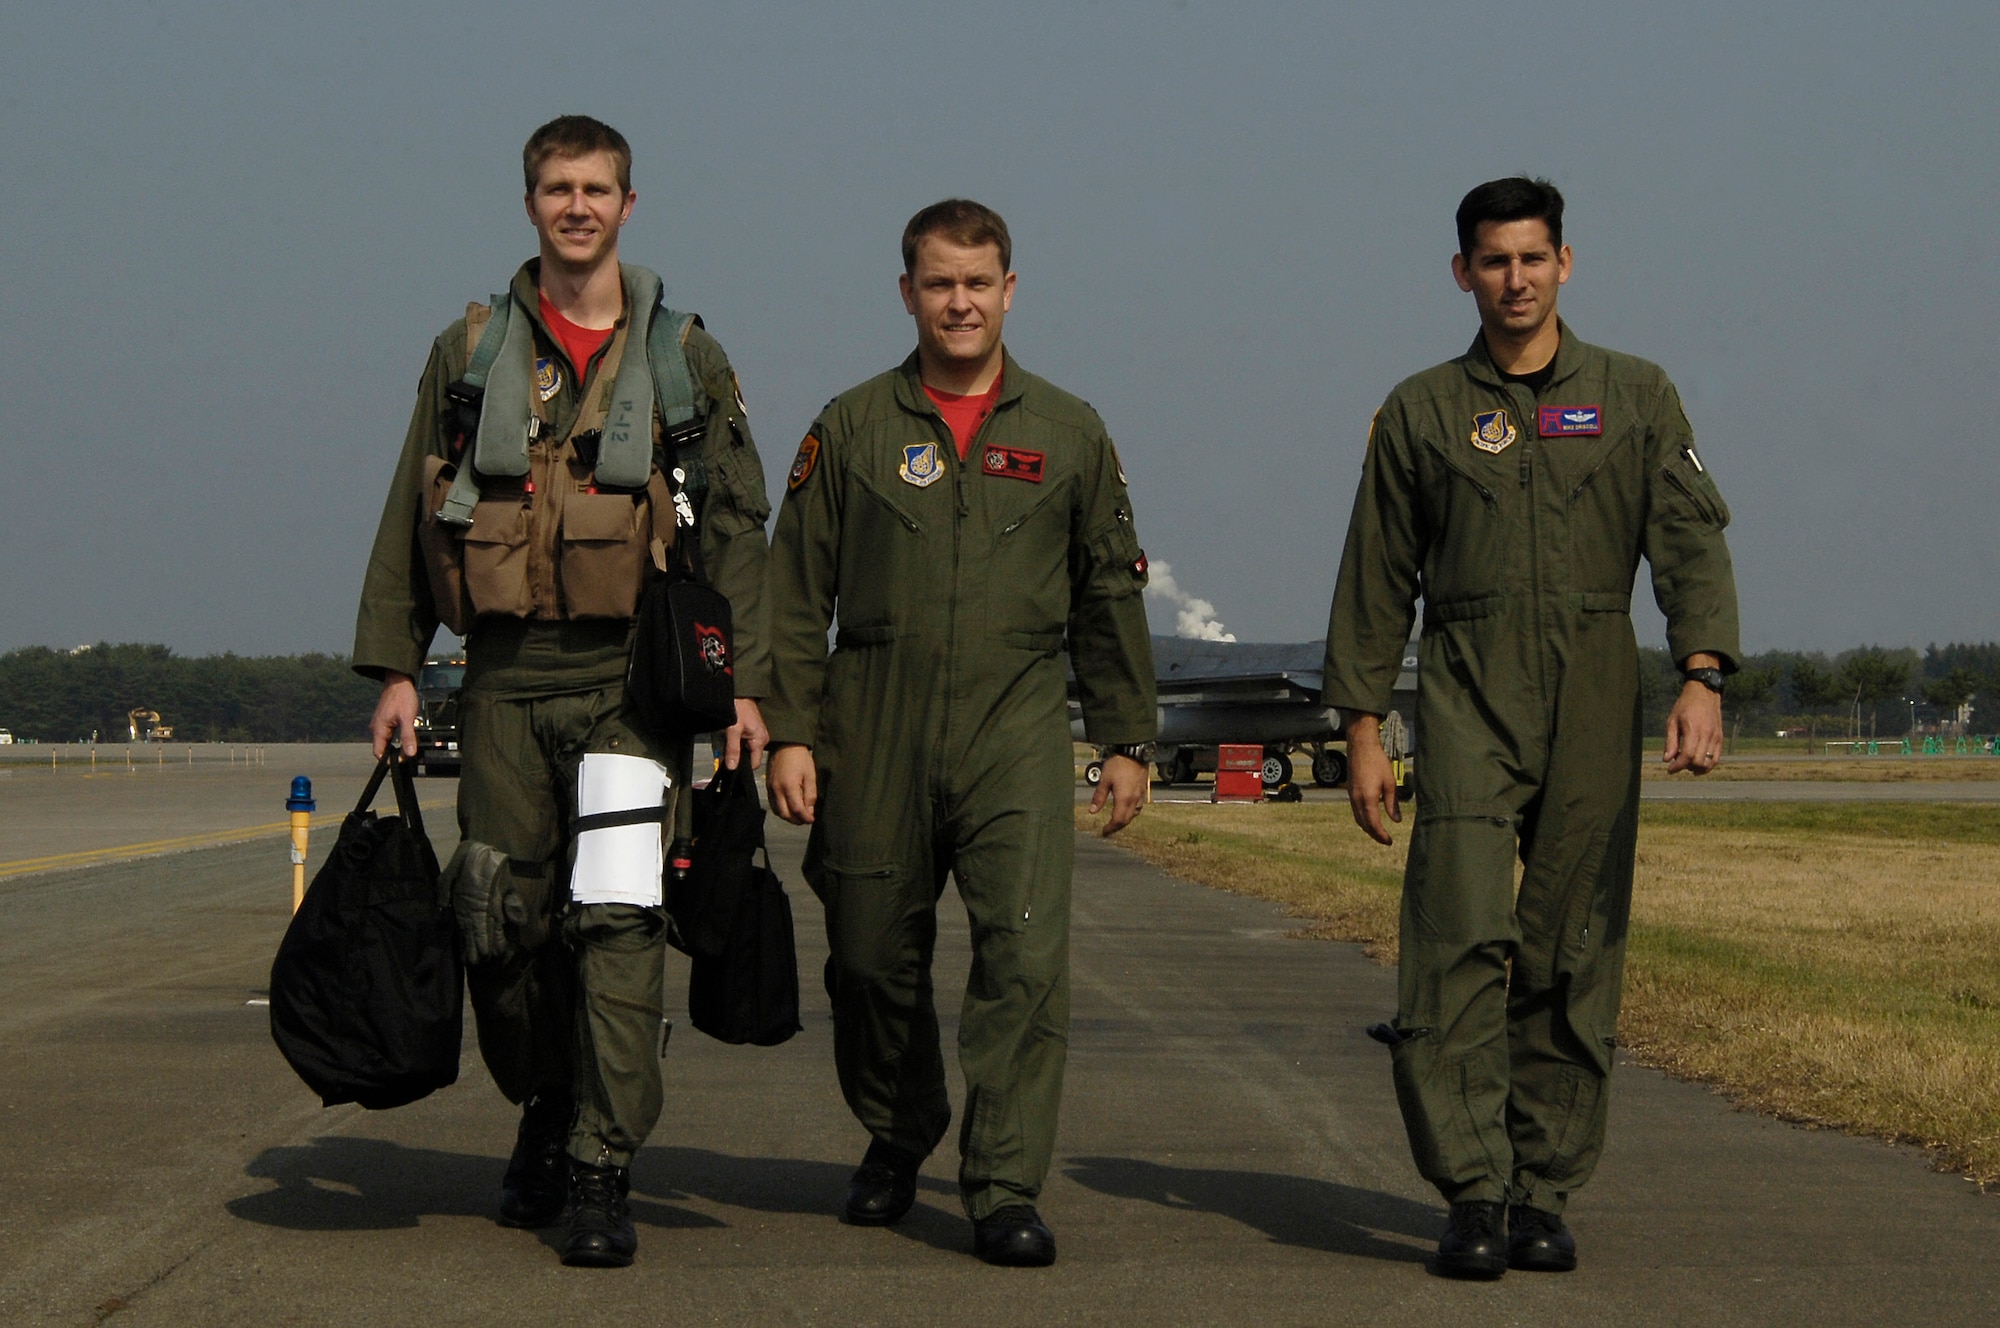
1709, 678
1142, 752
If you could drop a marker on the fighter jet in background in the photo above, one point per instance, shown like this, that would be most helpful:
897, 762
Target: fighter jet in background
1214, 692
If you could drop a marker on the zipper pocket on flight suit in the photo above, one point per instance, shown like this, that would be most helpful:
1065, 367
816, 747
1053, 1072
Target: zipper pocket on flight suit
909, 522
1462, 472
1705, 507
1033, 508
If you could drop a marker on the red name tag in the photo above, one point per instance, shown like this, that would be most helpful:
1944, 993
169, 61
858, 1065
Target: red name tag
1013, 463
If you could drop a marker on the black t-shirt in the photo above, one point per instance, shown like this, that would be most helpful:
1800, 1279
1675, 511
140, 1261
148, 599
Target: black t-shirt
1535, 381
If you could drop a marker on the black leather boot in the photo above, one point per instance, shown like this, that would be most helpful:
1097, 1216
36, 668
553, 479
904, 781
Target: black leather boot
883, 1189
1475, 1244
1014, 1237
600, 1222
536, 1185
1538, 1242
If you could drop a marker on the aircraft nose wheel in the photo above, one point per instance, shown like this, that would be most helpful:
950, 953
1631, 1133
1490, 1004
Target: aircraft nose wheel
1277, 767
1330, 769
1093, 774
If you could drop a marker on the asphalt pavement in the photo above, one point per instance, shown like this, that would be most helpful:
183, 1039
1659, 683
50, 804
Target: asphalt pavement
1230, 1150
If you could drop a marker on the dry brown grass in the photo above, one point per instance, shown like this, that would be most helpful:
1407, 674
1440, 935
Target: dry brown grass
1842, 769
1837, 965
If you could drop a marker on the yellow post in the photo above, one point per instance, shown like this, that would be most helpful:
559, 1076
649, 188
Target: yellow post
301, 806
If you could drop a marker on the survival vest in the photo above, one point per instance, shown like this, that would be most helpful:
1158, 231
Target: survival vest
523, 523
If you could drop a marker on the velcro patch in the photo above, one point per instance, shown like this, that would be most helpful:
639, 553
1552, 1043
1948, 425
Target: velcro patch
1013, 463
1563, 421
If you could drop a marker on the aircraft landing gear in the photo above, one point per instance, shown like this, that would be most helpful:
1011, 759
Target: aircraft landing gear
1277, 767
1093, 774
1178, 768
1329, 768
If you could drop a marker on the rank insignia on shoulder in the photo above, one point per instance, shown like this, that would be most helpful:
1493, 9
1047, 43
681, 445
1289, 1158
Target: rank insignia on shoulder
1563, 421
548, 377
803, 463
1492, 431
921, 465
1013, 463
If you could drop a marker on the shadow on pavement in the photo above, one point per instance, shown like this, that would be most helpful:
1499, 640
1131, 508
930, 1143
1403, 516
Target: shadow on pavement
790, 1185
337, 1183
1292, 1210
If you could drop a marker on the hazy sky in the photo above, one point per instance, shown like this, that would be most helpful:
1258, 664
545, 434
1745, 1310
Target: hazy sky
233, 230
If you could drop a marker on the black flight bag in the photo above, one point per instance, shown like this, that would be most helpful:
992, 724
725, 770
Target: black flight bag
732, 916
681, 680
367, 988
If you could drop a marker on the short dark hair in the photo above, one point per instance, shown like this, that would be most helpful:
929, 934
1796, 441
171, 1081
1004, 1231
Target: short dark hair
576, 136
963, 222
1516, 198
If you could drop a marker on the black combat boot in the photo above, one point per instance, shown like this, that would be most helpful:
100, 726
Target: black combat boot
1475, 1244
536, 1185
1538, 1242
1014, 1237
883, 1189
600, 1224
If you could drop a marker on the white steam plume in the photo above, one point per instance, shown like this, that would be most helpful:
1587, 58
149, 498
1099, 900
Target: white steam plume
1194, 618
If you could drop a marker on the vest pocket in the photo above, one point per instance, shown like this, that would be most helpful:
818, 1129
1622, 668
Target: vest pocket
496, 558
444, 555
604, 547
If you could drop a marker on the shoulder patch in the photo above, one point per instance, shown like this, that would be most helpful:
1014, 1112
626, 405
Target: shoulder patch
1116, 464
803, 463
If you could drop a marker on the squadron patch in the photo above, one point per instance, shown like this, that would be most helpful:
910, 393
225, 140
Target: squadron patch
548, 378
1013, 463
803, 463
714, 647
921, 465
1492, 431
1564, 421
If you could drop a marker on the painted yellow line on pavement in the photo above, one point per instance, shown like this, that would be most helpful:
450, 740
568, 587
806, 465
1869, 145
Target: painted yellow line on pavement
91, 857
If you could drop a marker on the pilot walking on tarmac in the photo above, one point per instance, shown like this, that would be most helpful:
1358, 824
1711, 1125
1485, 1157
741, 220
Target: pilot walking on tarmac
557, 431
1515, 489
969, 523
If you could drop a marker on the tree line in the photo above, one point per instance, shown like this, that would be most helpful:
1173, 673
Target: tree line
64, 696
67, 696
1867, 692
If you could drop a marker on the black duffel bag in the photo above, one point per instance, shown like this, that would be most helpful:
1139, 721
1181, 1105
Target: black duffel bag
681, 679
367, 991
733, 918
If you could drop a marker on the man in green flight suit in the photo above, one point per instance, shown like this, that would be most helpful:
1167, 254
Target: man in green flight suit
561, 506
967, 521
1515, 490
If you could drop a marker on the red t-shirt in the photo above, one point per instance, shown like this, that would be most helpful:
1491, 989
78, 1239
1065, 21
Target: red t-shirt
579, 343
964, 415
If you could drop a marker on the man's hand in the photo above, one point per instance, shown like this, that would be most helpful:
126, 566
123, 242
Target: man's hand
395, 712
793, 783
1124, 784
1694, 727
1371, 782
748, 732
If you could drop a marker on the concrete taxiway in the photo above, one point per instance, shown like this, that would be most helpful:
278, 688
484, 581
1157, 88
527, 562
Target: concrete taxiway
1230, 1150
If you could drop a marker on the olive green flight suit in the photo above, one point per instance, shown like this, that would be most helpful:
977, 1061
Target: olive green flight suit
576, 1005
939, 728
1521, 521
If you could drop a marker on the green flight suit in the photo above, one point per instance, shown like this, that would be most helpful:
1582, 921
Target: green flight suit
575, 1007
1520, 520
940, 731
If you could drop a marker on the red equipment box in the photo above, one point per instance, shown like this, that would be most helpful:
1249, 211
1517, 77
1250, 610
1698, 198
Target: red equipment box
1239, 773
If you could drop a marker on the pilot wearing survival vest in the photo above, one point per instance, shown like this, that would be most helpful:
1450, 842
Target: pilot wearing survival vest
532, 492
